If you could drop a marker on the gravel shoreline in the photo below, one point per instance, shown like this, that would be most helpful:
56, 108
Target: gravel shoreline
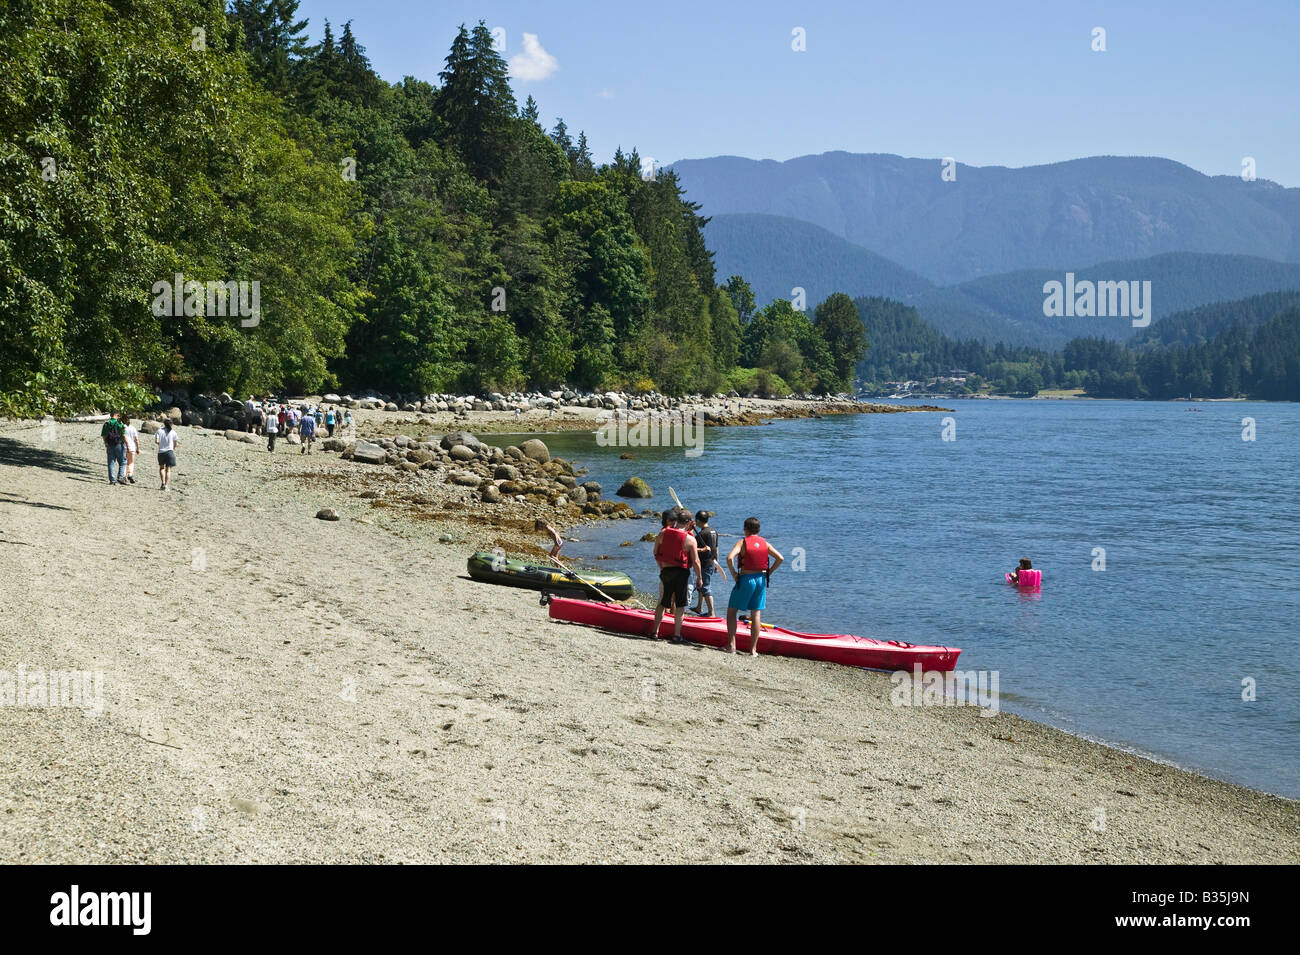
278, 688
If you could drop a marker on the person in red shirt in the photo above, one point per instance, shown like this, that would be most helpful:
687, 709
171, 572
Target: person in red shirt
751, 575
677, 555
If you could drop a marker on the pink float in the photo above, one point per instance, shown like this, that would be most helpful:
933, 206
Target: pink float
1027, 580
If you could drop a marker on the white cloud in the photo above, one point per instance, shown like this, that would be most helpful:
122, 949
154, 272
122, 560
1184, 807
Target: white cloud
534, 63
606, 94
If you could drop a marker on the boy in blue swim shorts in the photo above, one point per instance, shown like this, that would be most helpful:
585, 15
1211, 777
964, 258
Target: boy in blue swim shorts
751, 561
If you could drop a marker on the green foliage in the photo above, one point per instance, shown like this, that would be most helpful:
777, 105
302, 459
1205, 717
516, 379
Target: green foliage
132, 152
841, 327
1254, 352
742, 298
781, 339
757, 382
408, 237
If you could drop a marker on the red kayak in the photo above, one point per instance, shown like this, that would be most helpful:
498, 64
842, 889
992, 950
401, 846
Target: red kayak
829, 647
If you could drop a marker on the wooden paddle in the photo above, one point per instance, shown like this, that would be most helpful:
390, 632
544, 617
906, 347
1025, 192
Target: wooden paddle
588, 583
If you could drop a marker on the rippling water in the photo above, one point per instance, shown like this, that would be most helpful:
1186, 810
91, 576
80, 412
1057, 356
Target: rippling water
907, 536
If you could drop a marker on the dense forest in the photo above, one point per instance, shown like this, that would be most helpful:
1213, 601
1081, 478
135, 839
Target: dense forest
1247, 348
412, 237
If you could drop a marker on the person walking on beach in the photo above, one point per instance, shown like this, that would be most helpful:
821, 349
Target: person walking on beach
677, 555
113, 434
132, 439
329, 422
272, 429
752, 575
166, 441
250, 415
706, 539
307, 431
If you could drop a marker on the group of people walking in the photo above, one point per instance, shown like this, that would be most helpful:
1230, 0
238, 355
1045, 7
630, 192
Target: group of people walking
122, 443
122, 439
686, 544
274, 420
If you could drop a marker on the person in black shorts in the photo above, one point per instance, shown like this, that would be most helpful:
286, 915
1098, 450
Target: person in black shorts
677, 555
706, 538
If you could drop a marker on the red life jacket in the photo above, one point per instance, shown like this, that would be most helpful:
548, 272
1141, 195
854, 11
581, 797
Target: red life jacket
672, 548
753, 560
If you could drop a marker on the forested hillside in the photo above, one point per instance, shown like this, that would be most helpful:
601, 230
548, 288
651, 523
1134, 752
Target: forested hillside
415, 237
1248, 348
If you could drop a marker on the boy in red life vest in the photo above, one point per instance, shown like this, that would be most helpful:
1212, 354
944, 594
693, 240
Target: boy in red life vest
677, 555
751, 575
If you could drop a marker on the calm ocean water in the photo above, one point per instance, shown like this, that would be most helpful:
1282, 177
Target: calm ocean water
907, 537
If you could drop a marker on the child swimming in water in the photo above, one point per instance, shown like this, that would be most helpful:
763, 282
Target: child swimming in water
1024, 565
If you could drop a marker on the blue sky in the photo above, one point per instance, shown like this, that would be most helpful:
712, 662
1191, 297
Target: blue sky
1202, 82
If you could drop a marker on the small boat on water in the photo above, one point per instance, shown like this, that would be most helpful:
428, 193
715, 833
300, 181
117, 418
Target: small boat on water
498, 569
829, 647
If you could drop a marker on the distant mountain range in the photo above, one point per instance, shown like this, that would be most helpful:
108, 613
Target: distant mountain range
994, 219
1009, 307
777, 254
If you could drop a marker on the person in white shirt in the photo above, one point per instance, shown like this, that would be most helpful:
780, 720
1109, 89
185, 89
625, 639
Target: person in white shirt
132, 449
166, 440
272, 428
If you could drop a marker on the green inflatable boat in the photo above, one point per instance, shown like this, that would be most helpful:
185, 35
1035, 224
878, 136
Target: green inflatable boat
496, 569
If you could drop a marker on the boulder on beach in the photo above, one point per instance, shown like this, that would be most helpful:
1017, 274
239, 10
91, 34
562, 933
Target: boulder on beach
635, 487
369, 453
327, 514
535, 449
462, 453
490, 493
453, 438
506, 472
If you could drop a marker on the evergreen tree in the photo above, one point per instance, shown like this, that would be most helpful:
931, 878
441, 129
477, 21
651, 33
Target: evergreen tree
273, 38
841, 327
476, 105
742, 298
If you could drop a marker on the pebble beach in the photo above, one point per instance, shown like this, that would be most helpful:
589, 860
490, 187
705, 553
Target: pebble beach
278, 688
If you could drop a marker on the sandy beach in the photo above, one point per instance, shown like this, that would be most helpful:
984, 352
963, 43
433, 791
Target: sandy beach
277, 688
